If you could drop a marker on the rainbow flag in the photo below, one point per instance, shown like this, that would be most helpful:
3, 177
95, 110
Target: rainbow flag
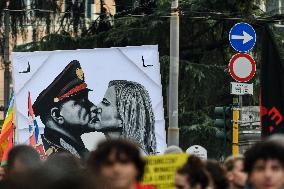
6, 136
8, 147
7, 126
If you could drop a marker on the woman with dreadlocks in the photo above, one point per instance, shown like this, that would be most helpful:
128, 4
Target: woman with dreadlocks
127, 113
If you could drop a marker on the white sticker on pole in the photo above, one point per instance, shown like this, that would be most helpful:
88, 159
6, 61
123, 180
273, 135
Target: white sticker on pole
242, 67
241, 88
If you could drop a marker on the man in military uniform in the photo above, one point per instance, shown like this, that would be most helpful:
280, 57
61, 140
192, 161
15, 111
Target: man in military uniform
66, 112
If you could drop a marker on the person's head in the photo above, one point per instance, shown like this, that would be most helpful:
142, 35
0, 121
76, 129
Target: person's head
64, 104
235, 173
279, 138
217, 174
22, 158
173, 150
264, 163
127, 106
193, 175
63, 164
117, 163
64, 170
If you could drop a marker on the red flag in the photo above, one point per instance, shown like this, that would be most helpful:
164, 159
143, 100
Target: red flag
31, 124
34, 130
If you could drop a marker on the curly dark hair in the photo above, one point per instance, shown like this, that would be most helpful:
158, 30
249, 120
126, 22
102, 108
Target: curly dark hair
124, 151
218, 174
263, 151
196, 172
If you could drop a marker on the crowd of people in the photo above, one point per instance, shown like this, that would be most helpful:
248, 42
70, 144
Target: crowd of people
118, 164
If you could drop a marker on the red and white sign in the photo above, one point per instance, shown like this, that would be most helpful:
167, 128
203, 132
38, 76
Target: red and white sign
242, 67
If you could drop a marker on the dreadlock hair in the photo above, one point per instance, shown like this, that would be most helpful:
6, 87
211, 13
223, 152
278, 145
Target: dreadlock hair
135, 110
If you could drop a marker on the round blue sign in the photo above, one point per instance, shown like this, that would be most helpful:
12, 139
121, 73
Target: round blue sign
242, 37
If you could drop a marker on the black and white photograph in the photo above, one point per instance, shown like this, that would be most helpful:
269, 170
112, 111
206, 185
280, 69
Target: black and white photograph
83, 96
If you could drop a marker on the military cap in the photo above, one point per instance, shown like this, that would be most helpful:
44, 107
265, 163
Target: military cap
68, 83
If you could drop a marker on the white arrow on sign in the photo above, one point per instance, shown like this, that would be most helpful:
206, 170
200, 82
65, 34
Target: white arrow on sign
245, 37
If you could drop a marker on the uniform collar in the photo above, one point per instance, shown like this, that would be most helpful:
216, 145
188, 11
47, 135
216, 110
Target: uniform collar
75, 147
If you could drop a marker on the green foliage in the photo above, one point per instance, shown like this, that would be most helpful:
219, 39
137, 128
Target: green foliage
204, 134
17, 18
229, 6
51, 7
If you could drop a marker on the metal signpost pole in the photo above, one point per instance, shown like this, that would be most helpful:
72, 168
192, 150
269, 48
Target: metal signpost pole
173, 130
242, 38
236, 118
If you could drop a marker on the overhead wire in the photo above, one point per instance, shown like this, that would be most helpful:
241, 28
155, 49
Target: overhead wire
201, 15
183, 13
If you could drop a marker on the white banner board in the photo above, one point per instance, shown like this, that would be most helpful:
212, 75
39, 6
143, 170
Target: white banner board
198, 151
82, 96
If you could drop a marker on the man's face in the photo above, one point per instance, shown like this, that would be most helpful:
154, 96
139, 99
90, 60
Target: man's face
119, 174
239, 177
181, 182
267, 174
80, 113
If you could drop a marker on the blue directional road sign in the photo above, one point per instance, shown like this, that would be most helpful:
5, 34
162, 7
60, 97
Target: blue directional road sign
242, 37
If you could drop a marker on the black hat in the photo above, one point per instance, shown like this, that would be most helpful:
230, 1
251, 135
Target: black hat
68, 83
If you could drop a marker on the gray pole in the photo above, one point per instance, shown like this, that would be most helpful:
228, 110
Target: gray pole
173, 130
6, 60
